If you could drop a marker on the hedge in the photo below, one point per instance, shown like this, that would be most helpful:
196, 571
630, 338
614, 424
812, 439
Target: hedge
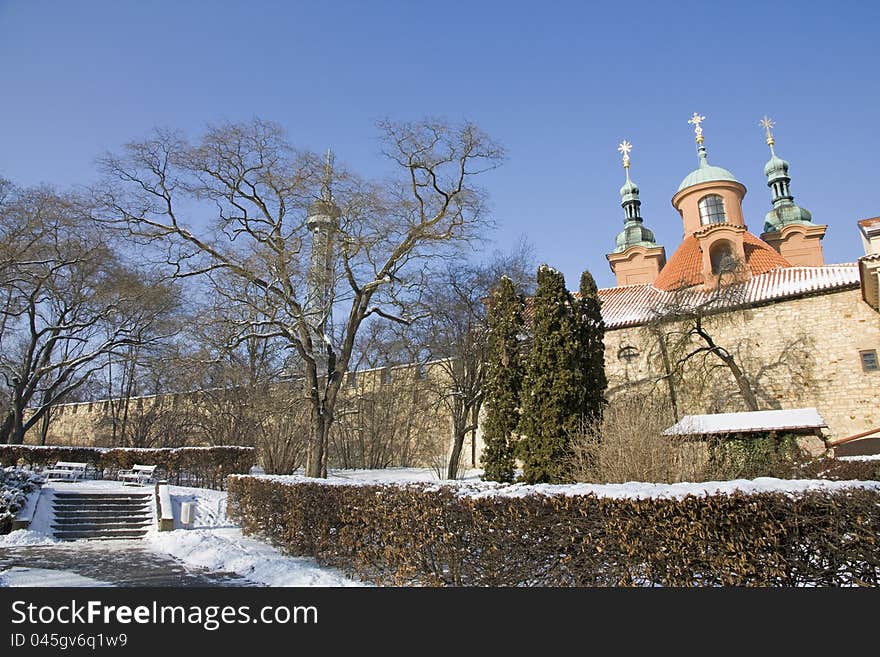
200, 466
840, 469
440, 535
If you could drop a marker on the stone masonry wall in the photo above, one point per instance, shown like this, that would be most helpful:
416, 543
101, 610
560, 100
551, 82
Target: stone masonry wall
799, 352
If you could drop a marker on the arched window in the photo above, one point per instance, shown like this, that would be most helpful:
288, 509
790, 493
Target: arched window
712, 210
628, 354
722, 258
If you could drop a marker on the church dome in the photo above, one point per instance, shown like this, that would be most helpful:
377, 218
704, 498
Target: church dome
785, 214
634, 233
706, 173
775, 165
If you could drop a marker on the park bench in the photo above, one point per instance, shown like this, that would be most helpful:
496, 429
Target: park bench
65, 471
138, 475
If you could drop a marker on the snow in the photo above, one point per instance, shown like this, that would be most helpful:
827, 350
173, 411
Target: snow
721, 423
17, 488
21, 537
866, 457
395, 475
225, 549
216, 544
629, 490
43, 577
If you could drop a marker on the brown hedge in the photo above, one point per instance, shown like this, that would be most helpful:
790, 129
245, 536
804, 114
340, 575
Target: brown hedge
429, 535
200, 466
838, 469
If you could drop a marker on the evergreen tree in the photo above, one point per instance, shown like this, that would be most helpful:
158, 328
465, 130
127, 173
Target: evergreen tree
552, 388
592, 354
504, 375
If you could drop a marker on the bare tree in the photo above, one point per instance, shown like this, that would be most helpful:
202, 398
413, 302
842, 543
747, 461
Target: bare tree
453, 334
703, 332
237, 202
689, 321
68, 301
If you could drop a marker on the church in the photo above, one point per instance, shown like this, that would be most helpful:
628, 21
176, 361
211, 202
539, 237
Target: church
738, 321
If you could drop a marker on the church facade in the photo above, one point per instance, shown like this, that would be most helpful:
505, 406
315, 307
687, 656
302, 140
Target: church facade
736, 321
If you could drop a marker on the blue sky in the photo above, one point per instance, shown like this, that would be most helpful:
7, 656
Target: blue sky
559, 84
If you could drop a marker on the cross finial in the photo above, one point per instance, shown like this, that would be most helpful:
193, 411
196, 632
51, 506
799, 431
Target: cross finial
624, 148
767, 123
696, 120
326, 193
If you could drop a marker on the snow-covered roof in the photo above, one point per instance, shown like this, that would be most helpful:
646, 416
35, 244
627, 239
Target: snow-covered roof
790, 419
630, 305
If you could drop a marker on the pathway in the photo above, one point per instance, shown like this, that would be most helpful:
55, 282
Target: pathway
119, 563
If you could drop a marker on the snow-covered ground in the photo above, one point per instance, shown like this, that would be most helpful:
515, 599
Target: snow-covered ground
215, 543
45, 577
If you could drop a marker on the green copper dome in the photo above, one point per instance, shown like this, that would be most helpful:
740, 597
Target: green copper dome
629, 192
705, 173
786, 214
775, 167
784, 211
634, 234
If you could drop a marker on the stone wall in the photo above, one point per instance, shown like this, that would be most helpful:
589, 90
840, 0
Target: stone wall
799, 352
385, 417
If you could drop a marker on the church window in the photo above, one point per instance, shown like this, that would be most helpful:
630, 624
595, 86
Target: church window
628, 354
869, 360
386, 375
722, 258
712, 210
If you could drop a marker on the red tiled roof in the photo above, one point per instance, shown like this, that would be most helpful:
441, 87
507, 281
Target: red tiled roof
685, 267
631, 305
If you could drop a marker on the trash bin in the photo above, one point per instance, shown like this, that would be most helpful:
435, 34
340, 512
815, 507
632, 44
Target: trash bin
187, 513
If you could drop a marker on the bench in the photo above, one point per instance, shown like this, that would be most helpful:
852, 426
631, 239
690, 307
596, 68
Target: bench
65, 471
137, 476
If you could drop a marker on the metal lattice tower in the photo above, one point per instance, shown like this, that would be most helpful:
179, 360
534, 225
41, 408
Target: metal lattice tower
323, 223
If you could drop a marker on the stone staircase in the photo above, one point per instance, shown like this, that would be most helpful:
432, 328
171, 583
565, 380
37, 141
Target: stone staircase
102, 516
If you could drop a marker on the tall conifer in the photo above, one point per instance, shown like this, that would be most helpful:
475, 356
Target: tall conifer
504, 375
552, 389
592, 355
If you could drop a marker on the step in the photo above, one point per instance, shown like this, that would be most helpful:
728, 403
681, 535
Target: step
86, 520
100, 513
103, 505
100, 535
97, 515
103, 500
111, 503
102, 509
117, 493
100, 527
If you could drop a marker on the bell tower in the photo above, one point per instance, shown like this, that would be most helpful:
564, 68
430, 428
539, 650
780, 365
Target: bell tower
637, 258
789, 228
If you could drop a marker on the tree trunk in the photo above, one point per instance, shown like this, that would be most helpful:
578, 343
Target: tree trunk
6, 428
739, 376
742, 381
315, 462
667, 368
44, 427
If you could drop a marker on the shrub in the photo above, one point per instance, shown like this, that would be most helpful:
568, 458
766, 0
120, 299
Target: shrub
479, 536
15, 485
200, 466
627, 445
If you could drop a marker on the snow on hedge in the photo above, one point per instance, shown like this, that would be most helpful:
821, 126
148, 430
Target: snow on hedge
629, 490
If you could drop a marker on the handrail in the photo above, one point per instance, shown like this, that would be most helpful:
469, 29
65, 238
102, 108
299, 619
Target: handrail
843, 441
